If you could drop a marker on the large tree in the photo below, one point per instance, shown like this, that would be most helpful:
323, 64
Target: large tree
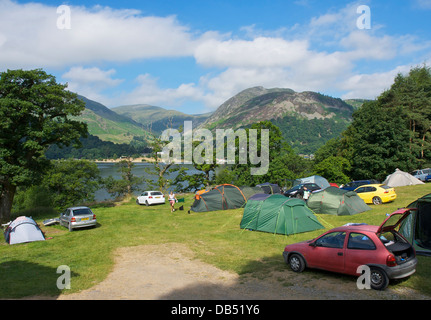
284, 164
35, 112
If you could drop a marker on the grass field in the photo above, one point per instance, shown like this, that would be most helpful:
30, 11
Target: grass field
215, 237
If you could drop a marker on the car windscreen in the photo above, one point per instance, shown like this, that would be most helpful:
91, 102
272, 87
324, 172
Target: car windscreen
81, 212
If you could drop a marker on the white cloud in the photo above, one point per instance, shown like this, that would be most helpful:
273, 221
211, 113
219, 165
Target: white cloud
260, 52
91, 82
148, 91
323, 55
31, 38
423, 4
370, 86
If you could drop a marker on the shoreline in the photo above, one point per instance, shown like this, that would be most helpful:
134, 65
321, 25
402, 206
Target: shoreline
135, 160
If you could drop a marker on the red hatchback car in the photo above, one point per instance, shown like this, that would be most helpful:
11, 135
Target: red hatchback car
388, 254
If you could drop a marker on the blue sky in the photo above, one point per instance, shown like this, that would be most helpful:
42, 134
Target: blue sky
193, 55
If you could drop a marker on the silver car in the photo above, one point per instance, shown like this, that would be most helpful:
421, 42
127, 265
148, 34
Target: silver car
77, 217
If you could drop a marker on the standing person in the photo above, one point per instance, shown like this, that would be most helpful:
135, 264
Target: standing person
172, 200
306, 194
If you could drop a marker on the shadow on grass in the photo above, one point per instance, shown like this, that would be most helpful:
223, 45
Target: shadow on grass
19, 279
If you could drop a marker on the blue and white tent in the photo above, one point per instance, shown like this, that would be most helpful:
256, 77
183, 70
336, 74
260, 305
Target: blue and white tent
23, 229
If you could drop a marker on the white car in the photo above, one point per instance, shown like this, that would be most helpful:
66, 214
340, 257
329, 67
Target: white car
151, 197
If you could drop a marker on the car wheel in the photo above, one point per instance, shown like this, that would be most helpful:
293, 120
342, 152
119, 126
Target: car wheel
137, 202
146, 203
298, 196
377, 200
70, 226
297, 263
379, 279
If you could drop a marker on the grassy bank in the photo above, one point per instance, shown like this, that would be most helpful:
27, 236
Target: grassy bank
30, 269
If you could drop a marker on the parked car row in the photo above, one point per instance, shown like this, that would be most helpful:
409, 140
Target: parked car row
368, 190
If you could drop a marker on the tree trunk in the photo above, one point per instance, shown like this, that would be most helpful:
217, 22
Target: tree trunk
6, 200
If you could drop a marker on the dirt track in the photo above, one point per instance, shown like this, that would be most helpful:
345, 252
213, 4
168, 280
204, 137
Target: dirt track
170, 271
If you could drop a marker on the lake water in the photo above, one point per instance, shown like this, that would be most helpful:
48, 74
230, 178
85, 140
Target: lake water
110, 169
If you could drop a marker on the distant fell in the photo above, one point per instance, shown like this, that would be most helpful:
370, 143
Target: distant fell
260, 104
157, 119
307, 119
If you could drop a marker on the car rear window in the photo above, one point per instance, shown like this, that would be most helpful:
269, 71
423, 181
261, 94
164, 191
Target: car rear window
385, 187
157, 193
81, 212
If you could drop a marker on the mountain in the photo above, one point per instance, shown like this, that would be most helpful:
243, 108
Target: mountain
158, 119
306, 119
109, 125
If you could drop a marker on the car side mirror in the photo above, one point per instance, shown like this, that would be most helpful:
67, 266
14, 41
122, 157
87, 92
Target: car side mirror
313, 244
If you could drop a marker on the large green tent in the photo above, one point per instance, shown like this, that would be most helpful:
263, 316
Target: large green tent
417, 226
276, 213
222, 197
335, 201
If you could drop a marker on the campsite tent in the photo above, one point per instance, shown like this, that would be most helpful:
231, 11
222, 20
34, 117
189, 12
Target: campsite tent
23, 229
320, 181
400, 178
417, 226
276, 213
222, 197
335, 201
269, 188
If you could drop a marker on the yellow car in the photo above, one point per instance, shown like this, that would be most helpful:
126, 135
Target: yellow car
376, 193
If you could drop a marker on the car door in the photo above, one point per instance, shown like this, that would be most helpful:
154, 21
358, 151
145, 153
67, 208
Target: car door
327, 252
366, 193
64, 218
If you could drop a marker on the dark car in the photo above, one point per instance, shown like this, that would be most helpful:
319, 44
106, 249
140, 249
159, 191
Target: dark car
298, 190
357, 183
386, 253
428, 178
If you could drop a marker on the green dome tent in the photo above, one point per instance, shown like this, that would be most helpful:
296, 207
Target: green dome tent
336, 201
417, 226
276, 213
222, 197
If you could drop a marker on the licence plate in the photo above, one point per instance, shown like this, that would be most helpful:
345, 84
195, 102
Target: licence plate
158, 197
84, 219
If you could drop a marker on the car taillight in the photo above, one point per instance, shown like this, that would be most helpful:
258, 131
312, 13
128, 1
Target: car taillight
94, 216
73, 219
391, 261
150, 197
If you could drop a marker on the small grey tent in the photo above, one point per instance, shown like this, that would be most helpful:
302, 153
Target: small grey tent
23, 229
335, 201
320, 181
400, 178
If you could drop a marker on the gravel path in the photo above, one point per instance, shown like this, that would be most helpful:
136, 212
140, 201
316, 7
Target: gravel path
170, 271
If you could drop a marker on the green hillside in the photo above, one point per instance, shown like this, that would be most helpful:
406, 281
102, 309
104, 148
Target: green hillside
158, 119
108, 125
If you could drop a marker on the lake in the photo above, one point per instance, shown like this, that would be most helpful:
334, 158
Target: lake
110, 169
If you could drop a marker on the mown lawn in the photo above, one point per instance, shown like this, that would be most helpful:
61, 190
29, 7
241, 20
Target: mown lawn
30, 269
